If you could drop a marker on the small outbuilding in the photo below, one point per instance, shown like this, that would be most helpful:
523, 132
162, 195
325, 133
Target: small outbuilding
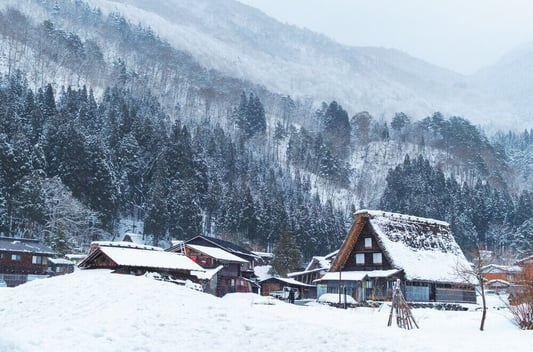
278, 283
60, 266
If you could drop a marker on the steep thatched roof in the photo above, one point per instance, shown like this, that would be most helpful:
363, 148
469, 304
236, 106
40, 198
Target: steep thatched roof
423, 248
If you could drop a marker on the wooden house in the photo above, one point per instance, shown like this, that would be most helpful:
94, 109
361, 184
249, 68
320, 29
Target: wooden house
317, 267
60, 266
227, 265
129, 258
247, 269
22, 260
501, 272
228, 277
382, 247
277, 284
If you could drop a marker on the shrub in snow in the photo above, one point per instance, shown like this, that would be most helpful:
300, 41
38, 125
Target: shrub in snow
521, 301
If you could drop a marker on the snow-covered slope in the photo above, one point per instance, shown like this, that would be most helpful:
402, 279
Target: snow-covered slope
99, 311
245, 43
512, 78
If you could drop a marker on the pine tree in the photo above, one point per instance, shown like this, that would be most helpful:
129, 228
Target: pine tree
523, 237
287, 255
337, 129
250, 116
156, 221
247, 216
4, 219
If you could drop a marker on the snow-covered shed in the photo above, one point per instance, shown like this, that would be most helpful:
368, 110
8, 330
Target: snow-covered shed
278, 283
381, 247
60, 266
128, 258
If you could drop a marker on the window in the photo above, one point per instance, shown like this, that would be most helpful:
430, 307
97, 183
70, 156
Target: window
16, 257
359, 258
36, 259
368, 242
377, 258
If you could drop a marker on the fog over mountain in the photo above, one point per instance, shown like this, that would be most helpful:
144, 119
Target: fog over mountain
511, 78
245, 43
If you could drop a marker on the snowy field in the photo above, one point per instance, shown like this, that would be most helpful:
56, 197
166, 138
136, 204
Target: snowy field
95, 310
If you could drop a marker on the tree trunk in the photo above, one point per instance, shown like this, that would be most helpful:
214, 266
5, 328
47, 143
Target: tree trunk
484, 315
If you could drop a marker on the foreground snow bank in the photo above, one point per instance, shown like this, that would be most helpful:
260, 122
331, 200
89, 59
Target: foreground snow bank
95, 310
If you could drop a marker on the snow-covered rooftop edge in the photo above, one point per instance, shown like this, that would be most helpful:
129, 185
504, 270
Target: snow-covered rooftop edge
401, 216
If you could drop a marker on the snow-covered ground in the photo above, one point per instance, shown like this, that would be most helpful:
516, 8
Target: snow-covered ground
95, 310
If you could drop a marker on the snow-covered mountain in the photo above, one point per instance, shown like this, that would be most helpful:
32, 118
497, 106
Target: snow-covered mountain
245, 43
512, 79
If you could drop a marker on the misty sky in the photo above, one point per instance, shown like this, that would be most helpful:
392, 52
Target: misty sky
462, 35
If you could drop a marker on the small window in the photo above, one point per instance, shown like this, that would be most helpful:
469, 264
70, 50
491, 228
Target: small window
377, 258
16, 257
360, 258
36, 259
368, 242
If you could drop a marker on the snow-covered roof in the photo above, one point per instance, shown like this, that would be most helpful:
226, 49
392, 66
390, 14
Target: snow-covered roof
207, 274
423, 248
268, 255
296, 273
505, 269
125, 244
262, 272
60, 261
289, 281
24, 245
217, 253
76, 257
226, 245
329, 256
525, 260
133, 257
498, 283
322, 262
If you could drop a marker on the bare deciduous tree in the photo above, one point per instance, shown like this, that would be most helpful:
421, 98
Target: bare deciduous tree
474, 275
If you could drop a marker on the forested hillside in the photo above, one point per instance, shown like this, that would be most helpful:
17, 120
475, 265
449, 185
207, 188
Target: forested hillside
105, 128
